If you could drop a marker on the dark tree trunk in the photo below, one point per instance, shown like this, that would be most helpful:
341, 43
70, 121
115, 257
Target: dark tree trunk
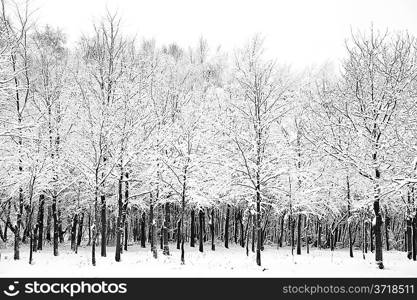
248, 235
40, 221
236, 222
281, 231
30, 244
319, 234
348, 220
333, 236
111, 229
387, 225
179, 234
213, 245
371, 237
378, 217
181, 227
103, 226
35, 238
378, 240
201, 231
161, 236
125, 222
253, 233
16, 230
89, 229
415, 237
226, 228
242, 232
204, 227
336, 236
119, 227
258, 225
136, 230
74, 232
166, 226
94, 231
60, 230
93, 248
26, 227
307, 226
49, 224
55, 226
143, 231
80, 229
365, 236
152, 225
299, 235
192, 229
292, 225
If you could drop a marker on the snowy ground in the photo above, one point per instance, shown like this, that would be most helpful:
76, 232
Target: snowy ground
233, 262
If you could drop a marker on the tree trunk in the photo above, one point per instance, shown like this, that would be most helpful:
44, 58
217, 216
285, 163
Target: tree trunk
242, 232
30, 244
253, 233
292, 225
94, 228
365, 236
18, 226
60, 231
201, 231
348, 220
103, 226
40, 221
192, 229
299, 235
248, 235
371, 238
319, 234
333, 236
89, 229
152, 224
213, 245
387, 225
119, 227
80, 229
74, 232
258, 225
378, 217
236, 221
307, 226
55, 226
125, 222
143, 231
35, 238
182, 217
49, 224
166, 226
415, 237
281, 231
226, 228
179, 234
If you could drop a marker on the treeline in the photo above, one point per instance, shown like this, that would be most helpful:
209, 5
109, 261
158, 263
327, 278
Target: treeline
118, 141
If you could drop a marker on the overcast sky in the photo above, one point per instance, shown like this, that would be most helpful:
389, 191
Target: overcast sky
298, 32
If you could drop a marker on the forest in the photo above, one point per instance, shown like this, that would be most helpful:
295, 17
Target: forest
118, 141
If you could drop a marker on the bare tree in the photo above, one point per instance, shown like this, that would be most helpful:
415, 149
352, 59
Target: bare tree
258, 101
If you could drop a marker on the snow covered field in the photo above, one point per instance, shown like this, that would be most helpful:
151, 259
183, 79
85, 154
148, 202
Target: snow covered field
233, 262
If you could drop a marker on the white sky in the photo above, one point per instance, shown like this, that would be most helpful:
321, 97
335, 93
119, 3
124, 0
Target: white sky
298, 32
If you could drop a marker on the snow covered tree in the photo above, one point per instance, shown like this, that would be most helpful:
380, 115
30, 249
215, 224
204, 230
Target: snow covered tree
258, 99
